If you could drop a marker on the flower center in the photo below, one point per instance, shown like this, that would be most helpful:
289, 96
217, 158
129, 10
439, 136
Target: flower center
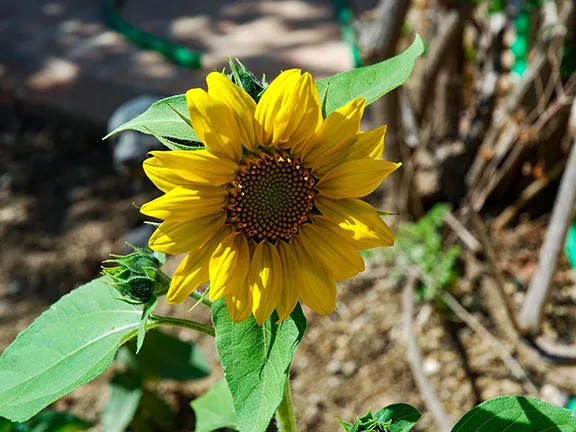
271, 196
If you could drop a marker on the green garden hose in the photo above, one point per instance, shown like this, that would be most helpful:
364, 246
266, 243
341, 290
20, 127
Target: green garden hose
570, 245
174, 52
185, 57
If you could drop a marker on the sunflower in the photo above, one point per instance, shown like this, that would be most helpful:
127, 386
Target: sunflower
269, 212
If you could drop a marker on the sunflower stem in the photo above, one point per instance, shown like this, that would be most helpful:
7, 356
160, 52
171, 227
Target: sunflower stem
156, 321
285, 414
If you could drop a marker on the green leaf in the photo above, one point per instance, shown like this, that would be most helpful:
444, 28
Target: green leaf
163, 118
68, 345
400, 417
148, 309
516, 414
215, 409
373, 81
256, 361
393, 418
125, 395
167, 357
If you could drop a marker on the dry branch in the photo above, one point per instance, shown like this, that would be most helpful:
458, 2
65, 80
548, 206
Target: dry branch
530, 317
415, 359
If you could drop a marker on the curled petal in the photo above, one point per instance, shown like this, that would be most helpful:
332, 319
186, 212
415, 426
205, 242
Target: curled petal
220, 88
272, 102
215, 124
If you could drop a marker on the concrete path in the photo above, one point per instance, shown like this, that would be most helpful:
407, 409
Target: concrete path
60, 55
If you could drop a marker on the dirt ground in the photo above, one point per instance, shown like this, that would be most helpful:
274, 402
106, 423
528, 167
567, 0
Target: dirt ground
63, 209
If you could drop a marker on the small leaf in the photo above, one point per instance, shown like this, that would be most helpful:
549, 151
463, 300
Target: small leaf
125, 395
167, 357
399, 417
373, 81
68, 345
256, 361
516, 414
148, 309
215, 409
163, 118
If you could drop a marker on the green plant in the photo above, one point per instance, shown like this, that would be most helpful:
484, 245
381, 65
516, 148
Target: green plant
420, 247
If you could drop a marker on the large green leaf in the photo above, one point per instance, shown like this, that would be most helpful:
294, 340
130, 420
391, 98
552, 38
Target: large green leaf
68, 345
373, 81
215, 409
165, 118
516, 414
256, 361
125, 394
167, 357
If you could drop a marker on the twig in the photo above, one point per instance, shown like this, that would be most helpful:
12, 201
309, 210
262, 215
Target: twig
527, 195
514, 100
500, 349
449, 28
530, 317
379, 38
462, 232
477, 326
493, 261
415, 359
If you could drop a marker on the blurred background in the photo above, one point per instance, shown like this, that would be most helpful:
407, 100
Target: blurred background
477, 299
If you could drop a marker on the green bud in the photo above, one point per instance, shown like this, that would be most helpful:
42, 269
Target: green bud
137, 276
246, 80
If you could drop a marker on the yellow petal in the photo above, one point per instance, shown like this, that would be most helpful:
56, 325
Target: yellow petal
239, 302
369, 144
291, 280
334, 137
229, 265
181, 237
242, 105
299, 116
169, 169
215, 124
355, 178
359, 220
332, 250
318, 289
186, 203
265, 280
193, 270
271, 102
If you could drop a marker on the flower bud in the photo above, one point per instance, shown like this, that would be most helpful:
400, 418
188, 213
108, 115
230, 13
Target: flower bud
246, 80
137, 276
